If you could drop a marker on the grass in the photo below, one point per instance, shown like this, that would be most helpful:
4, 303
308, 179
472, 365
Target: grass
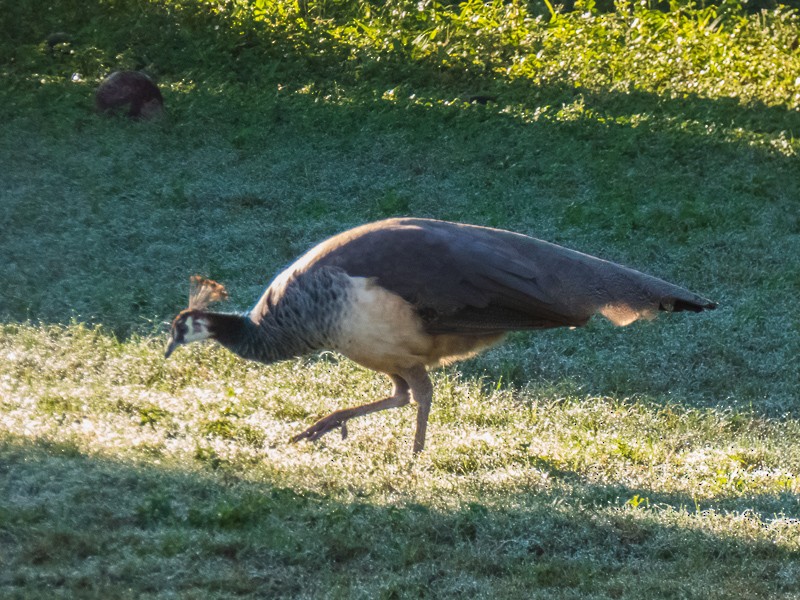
657, 460
535, 493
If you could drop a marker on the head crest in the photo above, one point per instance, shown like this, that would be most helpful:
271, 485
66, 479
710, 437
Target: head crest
203, 292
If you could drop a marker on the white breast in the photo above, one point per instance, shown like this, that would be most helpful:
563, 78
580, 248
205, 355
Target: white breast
380, 330
383, 332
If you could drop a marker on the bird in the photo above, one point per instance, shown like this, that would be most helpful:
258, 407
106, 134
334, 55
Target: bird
133, 89
403, 296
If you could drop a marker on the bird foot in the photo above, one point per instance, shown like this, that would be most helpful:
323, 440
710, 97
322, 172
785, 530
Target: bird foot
321, 427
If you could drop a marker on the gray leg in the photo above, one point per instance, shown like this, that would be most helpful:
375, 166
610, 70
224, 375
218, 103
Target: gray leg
400, 397
422, 392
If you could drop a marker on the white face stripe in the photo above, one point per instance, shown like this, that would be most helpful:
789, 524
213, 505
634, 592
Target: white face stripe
196, 330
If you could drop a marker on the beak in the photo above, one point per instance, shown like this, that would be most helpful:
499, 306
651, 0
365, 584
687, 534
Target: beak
171, 347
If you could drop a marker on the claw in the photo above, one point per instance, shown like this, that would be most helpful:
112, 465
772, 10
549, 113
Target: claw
320, 428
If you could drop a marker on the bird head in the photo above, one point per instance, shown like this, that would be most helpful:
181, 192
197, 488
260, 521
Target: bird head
194, 323
189, 326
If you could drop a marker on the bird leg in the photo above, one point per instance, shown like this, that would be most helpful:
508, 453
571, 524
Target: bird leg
422, 392
400, 397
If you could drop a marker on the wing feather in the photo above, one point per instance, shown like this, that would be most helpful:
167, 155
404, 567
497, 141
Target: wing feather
469, 279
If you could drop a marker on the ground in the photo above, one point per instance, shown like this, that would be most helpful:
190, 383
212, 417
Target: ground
657, 460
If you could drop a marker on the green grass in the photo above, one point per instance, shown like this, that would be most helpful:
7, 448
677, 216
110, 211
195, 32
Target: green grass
654, 461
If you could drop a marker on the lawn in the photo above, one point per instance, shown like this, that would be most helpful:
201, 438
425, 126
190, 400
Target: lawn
653, 461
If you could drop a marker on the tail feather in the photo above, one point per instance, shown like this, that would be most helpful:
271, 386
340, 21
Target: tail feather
682, 304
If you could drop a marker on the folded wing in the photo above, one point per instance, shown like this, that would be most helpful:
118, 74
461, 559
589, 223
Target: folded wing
468, 279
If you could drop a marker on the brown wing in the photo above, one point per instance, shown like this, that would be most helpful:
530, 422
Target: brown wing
469, 279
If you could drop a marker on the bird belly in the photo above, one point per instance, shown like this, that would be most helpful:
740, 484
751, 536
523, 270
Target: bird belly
449, 348
382, 331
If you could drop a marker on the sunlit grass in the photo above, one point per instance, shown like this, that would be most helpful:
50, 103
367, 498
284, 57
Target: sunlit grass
79, 386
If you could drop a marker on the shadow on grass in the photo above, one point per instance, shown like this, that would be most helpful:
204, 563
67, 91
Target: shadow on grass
643, 196
71, 523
